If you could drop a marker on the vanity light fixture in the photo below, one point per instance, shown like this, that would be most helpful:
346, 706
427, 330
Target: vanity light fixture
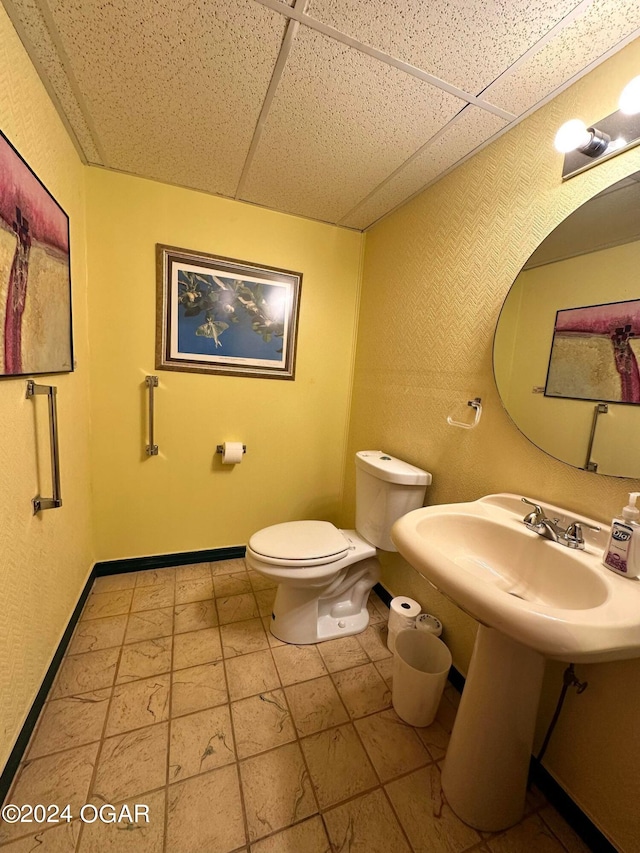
584, 146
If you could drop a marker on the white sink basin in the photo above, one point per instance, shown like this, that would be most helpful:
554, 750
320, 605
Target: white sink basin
562, 603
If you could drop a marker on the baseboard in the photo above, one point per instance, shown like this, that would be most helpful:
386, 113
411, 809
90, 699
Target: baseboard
163, 561
109, 567
555, 794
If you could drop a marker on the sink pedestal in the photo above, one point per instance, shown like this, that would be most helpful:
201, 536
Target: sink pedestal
487, 763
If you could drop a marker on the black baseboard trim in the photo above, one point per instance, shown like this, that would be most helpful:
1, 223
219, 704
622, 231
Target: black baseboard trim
108, 567
163, 561
555, 794
22, 741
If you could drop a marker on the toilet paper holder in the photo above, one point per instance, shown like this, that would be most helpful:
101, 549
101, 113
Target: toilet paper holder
220, 448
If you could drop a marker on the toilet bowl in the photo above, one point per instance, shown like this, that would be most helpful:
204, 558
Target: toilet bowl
324, 574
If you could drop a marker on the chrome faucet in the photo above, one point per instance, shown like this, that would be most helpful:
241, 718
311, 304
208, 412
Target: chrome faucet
550, 528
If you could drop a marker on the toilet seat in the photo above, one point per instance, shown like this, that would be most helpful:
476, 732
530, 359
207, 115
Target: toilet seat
299, 544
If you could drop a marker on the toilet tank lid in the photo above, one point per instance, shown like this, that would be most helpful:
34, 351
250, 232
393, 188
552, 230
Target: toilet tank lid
300, 540
391, 470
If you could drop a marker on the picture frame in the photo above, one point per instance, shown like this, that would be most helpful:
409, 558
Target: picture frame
595, 353
36, 329
225, 316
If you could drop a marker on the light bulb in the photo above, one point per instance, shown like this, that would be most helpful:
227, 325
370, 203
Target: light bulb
630, 97
572, 135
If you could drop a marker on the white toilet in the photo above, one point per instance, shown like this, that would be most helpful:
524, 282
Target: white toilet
324, 575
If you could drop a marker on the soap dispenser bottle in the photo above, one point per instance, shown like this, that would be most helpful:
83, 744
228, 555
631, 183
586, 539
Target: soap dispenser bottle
622, 553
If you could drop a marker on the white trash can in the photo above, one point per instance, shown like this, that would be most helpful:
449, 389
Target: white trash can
421, 663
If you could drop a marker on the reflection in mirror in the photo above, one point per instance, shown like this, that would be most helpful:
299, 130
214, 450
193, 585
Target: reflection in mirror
591, 259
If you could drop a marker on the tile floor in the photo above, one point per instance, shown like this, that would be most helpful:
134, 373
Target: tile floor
175, 695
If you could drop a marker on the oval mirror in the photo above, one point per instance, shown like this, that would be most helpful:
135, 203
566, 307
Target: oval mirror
567, 343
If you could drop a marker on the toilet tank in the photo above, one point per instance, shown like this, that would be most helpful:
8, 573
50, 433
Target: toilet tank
386, 488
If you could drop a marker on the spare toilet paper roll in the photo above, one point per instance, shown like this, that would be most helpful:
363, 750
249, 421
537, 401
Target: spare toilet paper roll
427, 622
402, 614
232, 453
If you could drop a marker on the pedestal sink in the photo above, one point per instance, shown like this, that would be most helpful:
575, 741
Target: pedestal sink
533, 598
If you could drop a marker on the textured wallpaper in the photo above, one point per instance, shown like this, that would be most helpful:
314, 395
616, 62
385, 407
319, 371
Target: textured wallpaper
44, 560
436, 273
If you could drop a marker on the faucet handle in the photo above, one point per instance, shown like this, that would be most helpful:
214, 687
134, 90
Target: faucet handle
573, 534
536, 516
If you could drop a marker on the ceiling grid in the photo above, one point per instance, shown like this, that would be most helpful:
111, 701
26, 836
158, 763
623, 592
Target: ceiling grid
337, 110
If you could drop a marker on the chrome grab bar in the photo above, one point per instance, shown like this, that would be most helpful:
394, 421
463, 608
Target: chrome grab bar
40, 503
599, 409
151, 382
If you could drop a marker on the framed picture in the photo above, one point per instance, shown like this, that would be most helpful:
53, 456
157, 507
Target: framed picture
35, 277
218, 315
594, 353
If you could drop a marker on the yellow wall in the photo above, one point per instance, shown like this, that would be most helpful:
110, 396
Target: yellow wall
44, 561
295, 431
437, 271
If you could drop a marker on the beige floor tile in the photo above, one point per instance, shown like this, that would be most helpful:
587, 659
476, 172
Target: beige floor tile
393, 746
228, 567
277, 790
152, 597
374, 641
150, 577
563, 832
261, 722
193, 571
241, 638
363, 690
196, 589
338, 765
426, 818
264, 600
195, 616
132, 763
205, 813
315, 705
69, 722
251, 674
196, 647
446, 714
226, 585
436, 738
98, 634
367, 824
378, 610
85, 673
531, 834
113, 583
138, 704
306, 837
259, 581
197, 688
126, 835
274, 642
63, 838
144, 659
107, 604
343, 653
200, 742
385, 668
56, 779
149, 625
237, 608
298, 663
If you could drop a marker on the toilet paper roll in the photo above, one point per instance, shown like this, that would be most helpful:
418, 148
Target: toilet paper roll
402, 613
232, 453
427, 622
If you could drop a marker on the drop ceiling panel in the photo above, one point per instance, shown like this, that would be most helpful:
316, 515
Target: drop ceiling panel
465, 42
603, 25
469, 130
339, 124
174, 87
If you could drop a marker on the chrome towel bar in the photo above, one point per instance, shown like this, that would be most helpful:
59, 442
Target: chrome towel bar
152, 448
40, 503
